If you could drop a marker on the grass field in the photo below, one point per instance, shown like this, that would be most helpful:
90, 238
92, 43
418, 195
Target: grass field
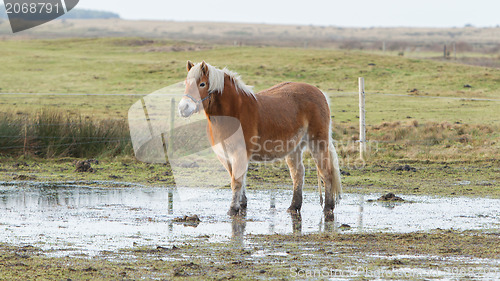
409, 91
417, 110
418, 113
141, 66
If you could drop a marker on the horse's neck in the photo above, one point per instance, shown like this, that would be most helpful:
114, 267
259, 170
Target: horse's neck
230, 102
226, 111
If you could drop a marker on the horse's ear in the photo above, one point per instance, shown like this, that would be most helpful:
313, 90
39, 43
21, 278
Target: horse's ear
204, 68
189, 65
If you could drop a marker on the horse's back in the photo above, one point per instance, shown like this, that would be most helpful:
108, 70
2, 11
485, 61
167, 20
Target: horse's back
295, 96
292, 88
290, 107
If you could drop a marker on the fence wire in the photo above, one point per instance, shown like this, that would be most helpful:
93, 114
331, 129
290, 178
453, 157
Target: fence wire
16, 95
59, 145
75, 140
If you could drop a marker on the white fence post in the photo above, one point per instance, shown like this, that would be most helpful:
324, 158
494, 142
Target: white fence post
362, 124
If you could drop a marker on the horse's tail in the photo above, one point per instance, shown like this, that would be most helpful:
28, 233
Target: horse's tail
336, 182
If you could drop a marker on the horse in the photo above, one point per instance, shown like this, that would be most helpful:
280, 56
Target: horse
276, 123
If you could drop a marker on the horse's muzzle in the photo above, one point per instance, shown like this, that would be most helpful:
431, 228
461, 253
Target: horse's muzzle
186, 108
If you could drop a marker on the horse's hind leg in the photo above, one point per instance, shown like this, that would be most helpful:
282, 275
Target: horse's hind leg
320, 150
297, 172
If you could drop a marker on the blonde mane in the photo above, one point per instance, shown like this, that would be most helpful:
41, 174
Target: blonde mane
216, 79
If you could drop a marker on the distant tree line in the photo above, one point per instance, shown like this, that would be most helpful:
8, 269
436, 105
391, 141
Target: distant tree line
76, 14
90, 14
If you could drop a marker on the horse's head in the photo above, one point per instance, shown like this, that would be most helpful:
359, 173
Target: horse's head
197, 89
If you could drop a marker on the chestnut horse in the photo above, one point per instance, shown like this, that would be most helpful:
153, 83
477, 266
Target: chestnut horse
279, 122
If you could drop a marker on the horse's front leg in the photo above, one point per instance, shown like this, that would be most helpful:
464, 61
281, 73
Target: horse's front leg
239, 200
236, 163
243, 198
237, 169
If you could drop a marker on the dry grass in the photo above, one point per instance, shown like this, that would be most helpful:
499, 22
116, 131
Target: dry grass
441, 141
269, 34
49, 133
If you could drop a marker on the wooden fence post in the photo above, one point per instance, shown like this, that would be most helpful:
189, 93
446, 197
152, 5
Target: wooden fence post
362, 124
25, 140
454, 50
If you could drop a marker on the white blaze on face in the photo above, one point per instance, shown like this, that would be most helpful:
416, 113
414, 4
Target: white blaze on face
187, 106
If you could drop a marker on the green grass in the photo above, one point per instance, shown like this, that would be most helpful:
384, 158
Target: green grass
430, 178
388, 108
135, 66
125, 66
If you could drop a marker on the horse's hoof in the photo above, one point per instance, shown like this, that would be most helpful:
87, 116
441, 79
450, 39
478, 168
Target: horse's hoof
233, 211
329, 216
243, 212
293, 210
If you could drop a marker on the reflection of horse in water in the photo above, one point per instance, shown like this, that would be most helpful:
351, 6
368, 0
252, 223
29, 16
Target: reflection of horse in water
280, 122
239, 224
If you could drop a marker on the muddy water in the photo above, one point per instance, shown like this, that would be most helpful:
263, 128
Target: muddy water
88, 219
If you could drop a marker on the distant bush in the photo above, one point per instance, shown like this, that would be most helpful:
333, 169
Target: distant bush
464, 47
238, 33
352, 45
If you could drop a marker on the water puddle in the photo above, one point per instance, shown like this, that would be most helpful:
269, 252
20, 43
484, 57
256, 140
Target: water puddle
90, 219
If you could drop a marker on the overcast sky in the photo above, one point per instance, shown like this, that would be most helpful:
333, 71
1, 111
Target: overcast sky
362, 13
366, 13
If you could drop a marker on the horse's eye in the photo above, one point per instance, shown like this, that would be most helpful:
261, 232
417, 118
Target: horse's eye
202, 84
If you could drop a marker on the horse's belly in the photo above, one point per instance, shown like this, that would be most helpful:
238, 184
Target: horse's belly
266, 157
270, 150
